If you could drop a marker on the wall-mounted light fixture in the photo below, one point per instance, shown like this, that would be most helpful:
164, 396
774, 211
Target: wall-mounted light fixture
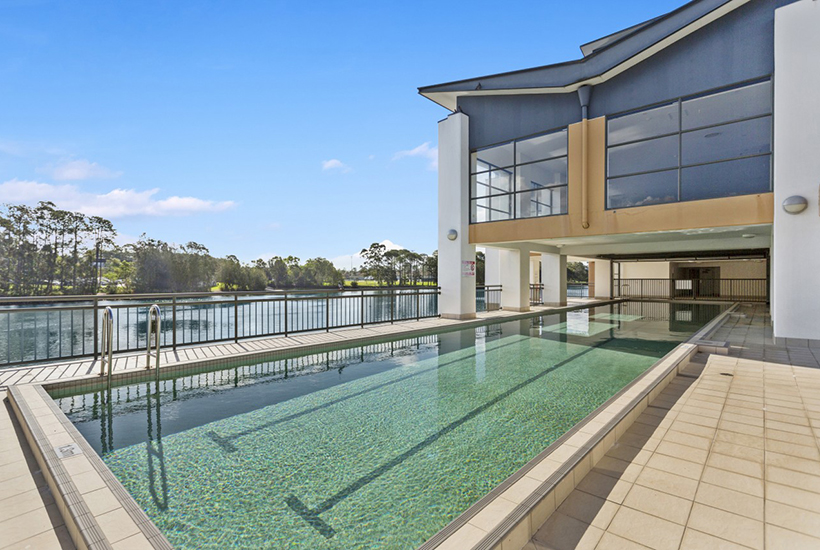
748, 236
795, 204
452, 234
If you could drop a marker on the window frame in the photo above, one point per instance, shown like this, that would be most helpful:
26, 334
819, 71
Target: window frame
513, 194
680, 133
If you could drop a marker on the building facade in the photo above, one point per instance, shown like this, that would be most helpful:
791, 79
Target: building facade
666, 157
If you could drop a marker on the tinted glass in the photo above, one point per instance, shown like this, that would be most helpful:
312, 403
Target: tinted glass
655, 188
541, 174
480, 185
738, 139
655, 154
541, 147
725, 106
479, 210
544, 202
492, 157
726, 179
642, 125
501, 207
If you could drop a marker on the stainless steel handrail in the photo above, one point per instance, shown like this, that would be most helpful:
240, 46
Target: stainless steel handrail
107, 343
154, 329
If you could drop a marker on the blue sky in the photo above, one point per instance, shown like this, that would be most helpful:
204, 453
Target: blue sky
258, 128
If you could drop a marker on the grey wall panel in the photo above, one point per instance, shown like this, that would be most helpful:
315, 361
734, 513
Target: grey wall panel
735, 48
500, 118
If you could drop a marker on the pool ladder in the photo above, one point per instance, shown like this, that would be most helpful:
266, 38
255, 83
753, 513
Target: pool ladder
154, 329
107, 343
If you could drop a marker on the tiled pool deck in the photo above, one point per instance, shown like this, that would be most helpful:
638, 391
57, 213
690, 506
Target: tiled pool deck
723, 458
726, 458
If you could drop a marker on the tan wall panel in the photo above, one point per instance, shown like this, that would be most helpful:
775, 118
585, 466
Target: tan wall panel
728, 211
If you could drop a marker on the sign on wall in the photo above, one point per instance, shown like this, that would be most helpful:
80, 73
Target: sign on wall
467, 268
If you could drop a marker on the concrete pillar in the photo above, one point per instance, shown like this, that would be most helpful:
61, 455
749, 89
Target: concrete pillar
603, 278
535, 269
796, 299
515, 280
492, 266
456, 280
554, 279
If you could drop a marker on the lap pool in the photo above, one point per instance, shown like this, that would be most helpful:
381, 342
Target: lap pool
370, 447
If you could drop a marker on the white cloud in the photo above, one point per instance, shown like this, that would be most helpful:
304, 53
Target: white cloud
425, 150
117, 203
355, 261
80, 169
335, 164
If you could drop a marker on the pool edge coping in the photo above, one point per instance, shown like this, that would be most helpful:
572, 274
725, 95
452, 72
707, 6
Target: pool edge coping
514, 531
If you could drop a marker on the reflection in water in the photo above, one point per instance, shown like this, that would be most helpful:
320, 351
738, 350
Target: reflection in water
153, 446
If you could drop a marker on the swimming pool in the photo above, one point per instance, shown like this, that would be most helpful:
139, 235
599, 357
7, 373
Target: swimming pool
379, 446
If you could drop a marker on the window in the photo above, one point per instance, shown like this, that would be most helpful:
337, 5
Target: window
525, 178
713, 145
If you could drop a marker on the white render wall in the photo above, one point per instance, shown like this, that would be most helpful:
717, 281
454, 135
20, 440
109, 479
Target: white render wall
603, 278
554, 278
796, 265
644, 270
457, 291
515, 279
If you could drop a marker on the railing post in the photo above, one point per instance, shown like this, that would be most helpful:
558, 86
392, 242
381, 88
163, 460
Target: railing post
96, 329
174, 323
418, 304
236, 318
392, 299
327, 312
362, 310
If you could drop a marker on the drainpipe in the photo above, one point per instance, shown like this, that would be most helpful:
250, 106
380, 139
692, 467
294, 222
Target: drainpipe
583, 96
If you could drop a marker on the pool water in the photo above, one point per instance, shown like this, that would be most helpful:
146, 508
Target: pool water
374, 447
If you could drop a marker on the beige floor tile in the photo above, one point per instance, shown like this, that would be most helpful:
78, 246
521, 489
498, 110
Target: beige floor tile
802, 465
793, 478
13, 470
790, 437
565, 533
88, 481
646, 529
617, 468
117, 525
796, 519
793, 496
738, 451
667, 482
728, 526
604, 486
778, 538
684, 452
694, 429
737, 465
674, 465
614, 542
465, 537
544, 469
589, 509
135, 542
695, 540
17, 485
730, 501
753, 441
31, 523
24, 502
690, 440
659, 504
101, 501
741, 428
791, 449
730, 480
492, 514
57, 539
631, 454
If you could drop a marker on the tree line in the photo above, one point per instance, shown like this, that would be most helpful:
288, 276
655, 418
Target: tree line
46, 251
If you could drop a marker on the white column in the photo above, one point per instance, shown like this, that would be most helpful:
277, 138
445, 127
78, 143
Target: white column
515, 280
535, 270
457, 286
492, 266
603, 279
796, 297
554, 278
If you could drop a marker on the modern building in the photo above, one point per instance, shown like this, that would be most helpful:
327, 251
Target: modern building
680, 157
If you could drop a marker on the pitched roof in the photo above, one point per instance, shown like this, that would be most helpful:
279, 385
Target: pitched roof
603, 58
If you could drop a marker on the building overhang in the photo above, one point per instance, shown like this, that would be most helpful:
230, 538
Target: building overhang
608, 57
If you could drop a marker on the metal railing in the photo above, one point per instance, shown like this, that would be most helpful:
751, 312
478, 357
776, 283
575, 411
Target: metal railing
536, 294
36, 329
578, 290
753, 290
487, 297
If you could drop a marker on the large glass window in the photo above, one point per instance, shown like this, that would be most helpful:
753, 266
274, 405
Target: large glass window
713, 145
525, 178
